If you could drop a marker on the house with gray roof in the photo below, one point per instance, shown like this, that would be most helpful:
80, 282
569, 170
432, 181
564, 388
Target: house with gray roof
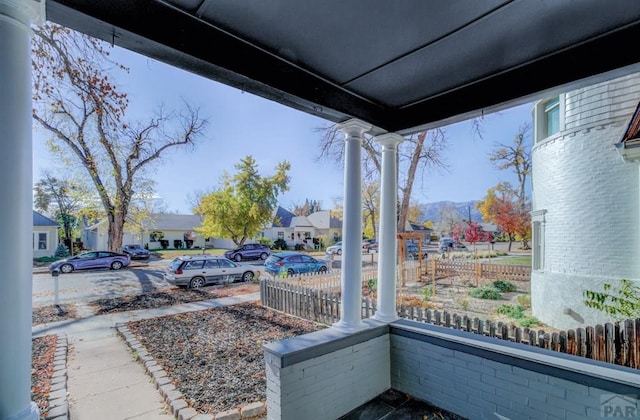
45, 235
177, 229
295, 230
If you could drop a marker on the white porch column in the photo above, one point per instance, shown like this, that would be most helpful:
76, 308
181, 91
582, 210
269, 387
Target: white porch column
387, 243
16, 229
351, 277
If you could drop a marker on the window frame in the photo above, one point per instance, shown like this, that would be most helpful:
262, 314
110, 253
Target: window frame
538, 221
36, 240
542, 111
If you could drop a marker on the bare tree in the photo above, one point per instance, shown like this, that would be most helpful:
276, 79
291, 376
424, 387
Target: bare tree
516, 156
76, 101
417, 153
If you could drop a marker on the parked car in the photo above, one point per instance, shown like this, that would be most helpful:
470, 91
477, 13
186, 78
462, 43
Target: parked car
248, 252
412, 251
196, 271
334, 249
92, 259
448, 245
368, 244
136, 252
291, 262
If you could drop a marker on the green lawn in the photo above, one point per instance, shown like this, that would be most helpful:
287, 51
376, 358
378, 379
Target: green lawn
524, 260
168, 254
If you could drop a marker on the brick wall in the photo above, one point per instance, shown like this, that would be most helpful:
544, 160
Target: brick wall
592, 223
477, 378
326, 374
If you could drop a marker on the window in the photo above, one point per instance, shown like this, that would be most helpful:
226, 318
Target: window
40, 241
538, 220
549, 117
552, 116
194, 265
307, 235
211, 264
280, 235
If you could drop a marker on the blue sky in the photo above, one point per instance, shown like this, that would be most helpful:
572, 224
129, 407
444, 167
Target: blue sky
241, 124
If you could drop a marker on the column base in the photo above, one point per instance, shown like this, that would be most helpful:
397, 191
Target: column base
386, 318
349, 326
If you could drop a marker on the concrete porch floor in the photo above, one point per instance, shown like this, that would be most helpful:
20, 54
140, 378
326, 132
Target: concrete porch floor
395, 405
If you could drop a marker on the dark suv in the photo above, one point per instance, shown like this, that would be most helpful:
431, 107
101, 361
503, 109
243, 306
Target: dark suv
136, 252
249, 252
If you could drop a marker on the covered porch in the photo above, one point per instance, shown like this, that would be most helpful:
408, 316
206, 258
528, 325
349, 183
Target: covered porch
385, 84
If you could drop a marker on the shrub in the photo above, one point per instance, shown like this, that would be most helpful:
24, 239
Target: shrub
372, 284
524, 300
622, 302
265, 241
62, 251
427, 292
512, 311
485, 292
280, 244
529, 321
464, 304
504, 286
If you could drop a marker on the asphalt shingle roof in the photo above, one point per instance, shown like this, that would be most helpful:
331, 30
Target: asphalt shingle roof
41, 220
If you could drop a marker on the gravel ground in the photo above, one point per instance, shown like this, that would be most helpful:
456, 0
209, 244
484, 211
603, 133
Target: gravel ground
215, 357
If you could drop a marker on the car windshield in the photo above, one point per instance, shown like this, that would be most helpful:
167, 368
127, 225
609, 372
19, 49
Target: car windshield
134, 246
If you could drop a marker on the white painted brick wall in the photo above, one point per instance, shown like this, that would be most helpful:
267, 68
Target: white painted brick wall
480, 387
328, 386
592, 229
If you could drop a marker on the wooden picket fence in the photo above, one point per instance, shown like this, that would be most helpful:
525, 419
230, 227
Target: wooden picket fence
479, 268
616, 343
415, 271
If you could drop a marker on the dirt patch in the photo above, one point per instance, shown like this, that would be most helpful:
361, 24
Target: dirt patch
453, 295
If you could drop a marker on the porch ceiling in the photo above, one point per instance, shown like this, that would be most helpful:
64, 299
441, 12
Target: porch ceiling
400, 65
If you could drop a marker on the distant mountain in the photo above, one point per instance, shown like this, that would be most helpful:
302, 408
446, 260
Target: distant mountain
432, 211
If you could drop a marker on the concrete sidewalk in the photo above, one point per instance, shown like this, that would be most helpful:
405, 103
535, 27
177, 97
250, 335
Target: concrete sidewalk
104, 381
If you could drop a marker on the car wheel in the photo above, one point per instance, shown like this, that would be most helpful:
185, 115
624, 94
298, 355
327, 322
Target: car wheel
339, 252
322, 269
196, 282
66, 268
263, 256
290, 272
238, 258
248, 276
116, 265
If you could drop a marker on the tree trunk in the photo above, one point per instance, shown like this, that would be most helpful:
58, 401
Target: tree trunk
408, 188
116, 231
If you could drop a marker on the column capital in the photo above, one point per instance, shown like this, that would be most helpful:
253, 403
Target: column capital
30, 11
389, 140
354, 127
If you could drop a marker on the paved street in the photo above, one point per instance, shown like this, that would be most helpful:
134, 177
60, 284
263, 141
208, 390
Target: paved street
84, 286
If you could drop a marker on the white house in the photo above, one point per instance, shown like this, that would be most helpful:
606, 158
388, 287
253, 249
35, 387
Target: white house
45, 235
156, 228
327, 225
586, 198
294, 230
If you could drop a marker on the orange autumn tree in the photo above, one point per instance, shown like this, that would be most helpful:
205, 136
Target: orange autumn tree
503, 207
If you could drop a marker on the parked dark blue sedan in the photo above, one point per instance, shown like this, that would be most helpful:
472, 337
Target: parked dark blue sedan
291, 262
92, 259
